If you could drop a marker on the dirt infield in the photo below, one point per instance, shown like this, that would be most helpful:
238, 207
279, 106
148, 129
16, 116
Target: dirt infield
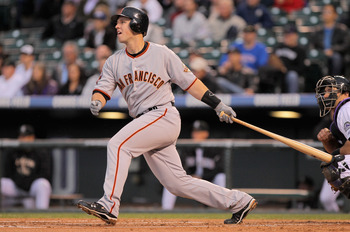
172, 225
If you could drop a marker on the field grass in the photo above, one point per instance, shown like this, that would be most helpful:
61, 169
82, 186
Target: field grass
259, 216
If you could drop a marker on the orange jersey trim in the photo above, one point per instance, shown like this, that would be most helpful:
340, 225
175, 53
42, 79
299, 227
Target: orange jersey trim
191, 84
138, 54
118, 155
104, 93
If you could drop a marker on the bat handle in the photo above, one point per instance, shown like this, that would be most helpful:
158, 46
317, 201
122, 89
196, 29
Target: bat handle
222, 113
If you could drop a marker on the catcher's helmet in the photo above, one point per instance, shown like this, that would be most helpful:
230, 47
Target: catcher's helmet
331, 85
139, 19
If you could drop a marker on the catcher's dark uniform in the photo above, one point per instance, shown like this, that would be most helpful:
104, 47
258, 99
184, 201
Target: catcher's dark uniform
211, 162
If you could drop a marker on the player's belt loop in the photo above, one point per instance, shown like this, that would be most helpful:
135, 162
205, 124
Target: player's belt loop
151, 108
148, 110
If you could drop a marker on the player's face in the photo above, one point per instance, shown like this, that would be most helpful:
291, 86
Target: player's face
124, 32
328, 90
38, 73
73, 72
199, 135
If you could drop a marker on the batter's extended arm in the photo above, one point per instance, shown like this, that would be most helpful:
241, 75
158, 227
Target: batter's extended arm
98, 96
198, 89
201, 92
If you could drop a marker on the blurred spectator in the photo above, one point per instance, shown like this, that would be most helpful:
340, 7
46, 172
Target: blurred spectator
293, 57
254, 53
32, 13
254, 13
190, 25
214, 7
204, 7
27, 174
76, 81
3, 55
102, 31
226, 24
65, 26
70, 53
86, 8
333, 38
40, 83
26, 63
10, 80
155, 33
289, 5
200, 68
176, 9
272, 75
153, 7
205, 163
268, 3
102, 52
45, 9
236, 78
115, 5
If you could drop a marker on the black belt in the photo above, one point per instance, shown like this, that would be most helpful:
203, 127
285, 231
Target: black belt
151, 108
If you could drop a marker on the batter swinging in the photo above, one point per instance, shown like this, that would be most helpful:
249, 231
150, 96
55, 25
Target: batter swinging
143, 72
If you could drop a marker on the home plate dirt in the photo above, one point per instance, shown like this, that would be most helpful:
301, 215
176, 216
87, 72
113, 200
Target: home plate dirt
170, 225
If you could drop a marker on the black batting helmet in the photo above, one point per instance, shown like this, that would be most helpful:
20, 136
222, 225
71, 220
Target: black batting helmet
139, 19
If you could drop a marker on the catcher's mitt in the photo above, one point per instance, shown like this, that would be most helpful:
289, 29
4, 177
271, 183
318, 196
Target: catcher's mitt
332, 174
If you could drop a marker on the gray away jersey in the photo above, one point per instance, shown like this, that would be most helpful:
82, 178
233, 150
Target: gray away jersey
144, 80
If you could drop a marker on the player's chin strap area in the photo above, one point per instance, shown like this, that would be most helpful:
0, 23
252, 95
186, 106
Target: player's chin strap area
150, 109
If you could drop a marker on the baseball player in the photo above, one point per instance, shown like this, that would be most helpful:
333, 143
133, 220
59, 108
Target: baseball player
205, 163
143, 72
27, 174
332, 93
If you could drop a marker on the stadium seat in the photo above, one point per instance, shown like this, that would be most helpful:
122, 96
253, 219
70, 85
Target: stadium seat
81, 42
14, 34
52, 56
212, 57
87, 56
279, 16
183, 54
161, 22
49, 45
207, 42
168, 33
303, 39
268, 37
176, 44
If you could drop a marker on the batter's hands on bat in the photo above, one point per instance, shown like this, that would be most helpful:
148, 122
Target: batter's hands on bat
95, 107
228, 113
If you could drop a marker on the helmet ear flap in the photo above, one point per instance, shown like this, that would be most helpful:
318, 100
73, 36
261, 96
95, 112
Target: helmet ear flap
343, 82
345, 88
135, 26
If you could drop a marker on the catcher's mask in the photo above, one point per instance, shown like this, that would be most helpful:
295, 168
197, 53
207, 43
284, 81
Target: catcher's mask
327, 89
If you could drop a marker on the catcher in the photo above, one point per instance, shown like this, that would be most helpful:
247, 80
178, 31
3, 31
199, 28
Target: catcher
332, 93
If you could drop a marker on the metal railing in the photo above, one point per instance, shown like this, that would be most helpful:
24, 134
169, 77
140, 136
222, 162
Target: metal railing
229, 146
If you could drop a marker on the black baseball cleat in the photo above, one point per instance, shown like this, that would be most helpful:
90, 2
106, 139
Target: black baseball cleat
240, 215
97, 210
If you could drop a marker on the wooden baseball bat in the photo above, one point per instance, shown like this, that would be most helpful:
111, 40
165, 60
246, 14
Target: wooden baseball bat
303, 148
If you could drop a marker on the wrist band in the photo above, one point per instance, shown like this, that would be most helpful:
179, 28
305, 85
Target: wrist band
210, 99
336, 152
